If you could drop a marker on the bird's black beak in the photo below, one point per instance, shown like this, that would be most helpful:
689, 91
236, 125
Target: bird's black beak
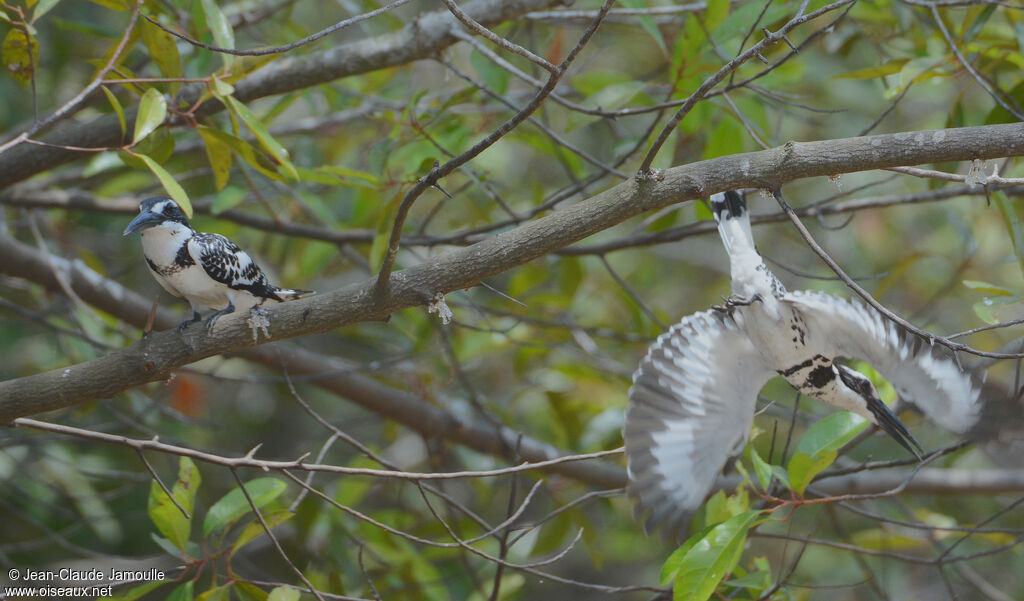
143, 221
892, 426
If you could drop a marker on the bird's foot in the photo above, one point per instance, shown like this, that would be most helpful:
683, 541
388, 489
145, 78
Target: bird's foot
213, 318
729, 304
181, 327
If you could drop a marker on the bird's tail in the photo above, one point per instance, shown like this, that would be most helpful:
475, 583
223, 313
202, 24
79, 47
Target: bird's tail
287, 294
733, 219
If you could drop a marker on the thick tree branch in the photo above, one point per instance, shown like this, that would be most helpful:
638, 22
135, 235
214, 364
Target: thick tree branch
334, 375
424, 38
155, 357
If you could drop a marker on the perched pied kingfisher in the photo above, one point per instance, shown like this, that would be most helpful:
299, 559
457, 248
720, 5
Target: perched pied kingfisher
209, 270
691, 406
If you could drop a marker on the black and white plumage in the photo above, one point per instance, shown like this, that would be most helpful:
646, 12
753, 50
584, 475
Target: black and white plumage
691, 406
208, 270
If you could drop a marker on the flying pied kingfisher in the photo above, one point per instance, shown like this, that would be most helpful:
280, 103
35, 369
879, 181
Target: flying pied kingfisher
209, 270
691, 405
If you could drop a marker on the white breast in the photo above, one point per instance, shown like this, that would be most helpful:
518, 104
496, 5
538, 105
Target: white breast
161, 246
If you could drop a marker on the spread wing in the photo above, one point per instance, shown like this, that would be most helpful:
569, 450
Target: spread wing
922, 372
691, 406
226, 263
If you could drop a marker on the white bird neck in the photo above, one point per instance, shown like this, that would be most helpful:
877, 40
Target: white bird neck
838, 394
160, 243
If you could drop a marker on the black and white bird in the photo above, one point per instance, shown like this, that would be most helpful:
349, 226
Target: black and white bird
208, 270
691, 405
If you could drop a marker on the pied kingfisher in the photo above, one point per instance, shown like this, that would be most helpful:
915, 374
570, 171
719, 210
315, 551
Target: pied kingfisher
209, 270
691, 405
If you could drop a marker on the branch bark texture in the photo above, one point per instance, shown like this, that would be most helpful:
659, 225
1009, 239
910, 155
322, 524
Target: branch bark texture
156, 357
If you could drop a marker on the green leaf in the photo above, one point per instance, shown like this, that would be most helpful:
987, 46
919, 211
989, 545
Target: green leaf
256, 157
979, 23
989, 288
246, 591
163, 49
152, 112
490, 74
183, 592
715, 13
218, 152
889, 68
15, 53
762, 469
173, 189
284, 593
983, 309
671, 566
217, 593
188, 483
260, 131
220, 27
43, 7
112, 4
166, 516
615, 96
118, 109
712, 558
379, 247
830, 433
1011, 212
220, 88
255, 529
233, 505
228, 198
136, 591
803, 468
649, 24
879, 539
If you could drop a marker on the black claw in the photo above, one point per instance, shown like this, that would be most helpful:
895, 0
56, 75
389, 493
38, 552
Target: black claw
213, 318
195, 317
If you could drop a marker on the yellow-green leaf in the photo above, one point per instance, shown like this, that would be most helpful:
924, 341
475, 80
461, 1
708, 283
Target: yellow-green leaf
217, 593
42, 8
762, 469
889, 68
989, 288
803, 468
16, 55
255, 529
118, 109
272, 146
220, 27
173, 188
152, 112
712, 558
234, 505
284, 593
163, 50
219, 154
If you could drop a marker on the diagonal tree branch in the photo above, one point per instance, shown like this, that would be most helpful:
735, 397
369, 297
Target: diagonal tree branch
332, 374
156, 357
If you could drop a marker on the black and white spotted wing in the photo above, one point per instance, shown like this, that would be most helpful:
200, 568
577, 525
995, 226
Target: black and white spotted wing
922, 372
224, 262
691, 407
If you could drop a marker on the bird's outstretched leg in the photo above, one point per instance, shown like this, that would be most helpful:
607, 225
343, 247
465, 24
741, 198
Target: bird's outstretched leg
195, 317
213, 318
729, 304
